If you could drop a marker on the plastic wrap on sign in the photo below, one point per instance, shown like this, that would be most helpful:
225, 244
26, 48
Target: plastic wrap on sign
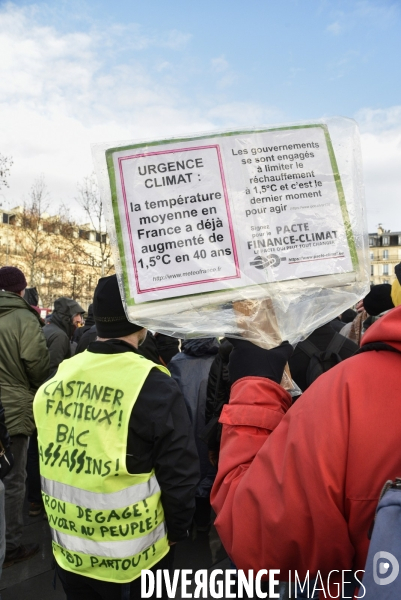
257, 233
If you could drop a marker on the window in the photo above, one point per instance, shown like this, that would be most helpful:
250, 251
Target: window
371, 270
386, 281
385, 240
385, 269
371, 256
399, 240
8, 219
372, 241
385, 254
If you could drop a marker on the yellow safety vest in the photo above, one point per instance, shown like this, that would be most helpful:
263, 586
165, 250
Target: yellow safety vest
105, 523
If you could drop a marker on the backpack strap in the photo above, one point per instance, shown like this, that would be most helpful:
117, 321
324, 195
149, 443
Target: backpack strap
308, 348
377, 346
337, 342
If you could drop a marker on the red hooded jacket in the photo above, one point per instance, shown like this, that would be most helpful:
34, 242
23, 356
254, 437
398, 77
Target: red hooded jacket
304, 497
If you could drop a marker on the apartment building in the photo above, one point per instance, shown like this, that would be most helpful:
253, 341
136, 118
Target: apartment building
57, 256
385, 253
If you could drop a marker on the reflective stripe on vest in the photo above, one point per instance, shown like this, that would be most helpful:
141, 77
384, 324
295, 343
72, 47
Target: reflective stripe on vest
94, 500
113, 549
105, 522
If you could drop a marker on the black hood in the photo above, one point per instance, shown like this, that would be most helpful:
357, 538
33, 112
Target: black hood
64, 310
31, 296
200, 346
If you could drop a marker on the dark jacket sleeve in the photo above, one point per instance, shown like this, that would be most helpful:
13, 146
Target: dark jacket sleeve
58, 345
218, 393
160, 430
34, 352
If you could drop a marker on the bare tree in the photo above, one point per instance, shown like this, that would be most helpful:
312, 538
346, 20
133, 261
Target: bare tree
32, 242
55, 253
89, 199
6, 163
50, 248
81, 264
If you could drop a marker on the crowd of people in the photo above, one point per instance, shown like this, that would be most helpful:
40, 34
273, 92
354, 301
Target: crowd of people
126, 439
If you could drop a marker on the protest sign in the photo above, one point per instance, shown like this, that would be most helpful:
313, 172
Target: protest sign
213, 219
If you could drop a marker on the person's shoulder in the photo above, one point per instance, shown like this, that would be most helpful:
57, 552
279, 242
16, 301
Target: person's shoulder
54, 332
159, 397
26, 315
158, 376
159, 386
178, 357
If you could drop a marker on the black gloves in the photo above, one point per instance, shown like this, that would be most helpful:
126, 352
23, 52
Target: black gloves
248, 360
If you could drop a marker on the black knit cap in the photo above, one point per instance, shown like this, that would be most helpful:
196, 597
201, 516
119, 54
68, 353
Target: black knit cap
378, 300
108, 310
12, 279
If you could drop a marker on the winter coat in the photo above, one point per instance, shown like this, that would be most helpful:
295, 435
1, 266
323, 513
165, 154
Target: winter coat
59, 331
190, 368
24, 361
298, 489
160, 438
218, 392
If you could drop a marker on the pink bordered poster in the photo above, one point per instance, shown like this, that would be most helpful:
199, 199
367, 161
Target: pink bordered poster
228, 213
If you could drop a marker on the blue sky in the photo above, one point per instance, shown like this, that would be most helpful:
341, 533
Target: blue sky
75, 73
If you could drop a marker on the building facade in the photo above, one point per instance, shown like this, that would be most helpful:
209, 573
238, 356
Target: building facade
385, 254
57, 256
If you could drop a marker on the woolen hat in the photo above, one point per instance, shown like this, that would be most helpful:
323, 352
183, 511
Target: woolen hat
378, 300
108, 310
12, 279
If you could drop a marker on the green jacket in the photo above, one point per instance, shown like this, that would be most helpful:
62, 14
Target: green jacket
24, 361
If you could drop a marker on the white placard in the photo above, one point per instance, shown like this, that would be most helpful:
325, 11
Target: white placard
229, 211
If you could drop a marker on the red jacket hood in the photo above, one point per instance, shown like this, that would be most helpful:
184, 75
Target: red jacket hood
387, 329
